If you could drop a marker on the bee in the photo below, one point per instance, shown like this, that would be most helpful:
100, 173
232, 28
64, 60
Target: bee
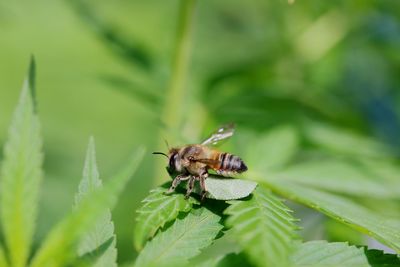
192, 162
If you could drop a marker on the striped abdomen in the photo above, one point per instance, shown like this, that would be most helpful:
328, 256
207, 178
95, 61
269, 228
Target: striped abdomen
229, 163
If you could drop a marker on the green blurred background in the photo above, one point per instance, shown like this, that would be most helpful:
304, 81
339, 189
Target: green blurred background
103, 69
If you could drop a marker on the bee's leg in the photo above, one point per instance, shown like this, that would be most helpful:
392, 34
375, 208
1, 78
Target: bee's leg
203, 177
176, 182
190, 186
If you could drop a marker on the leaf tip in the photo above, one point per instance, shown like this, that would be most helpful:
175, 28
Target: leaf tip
31, 80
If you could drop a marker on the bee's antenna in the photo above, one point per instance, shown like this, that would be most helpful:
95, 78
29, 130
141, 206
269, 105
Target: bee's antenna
160, 153
166, 142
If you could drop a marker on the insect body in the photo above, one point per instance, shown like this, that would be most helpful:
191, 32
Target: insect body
193, 162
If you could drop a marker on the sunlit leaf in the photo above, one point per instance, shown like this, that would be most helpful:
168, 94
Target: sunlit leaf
158, 209
384, 229
103, 229
228, 189
224, 188
322, 253
21, 176
59, 246
264, 228
182, 241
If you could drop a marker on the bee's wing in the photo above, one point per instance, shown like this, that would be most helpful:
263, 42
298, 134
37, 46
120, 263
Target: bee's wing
222, 133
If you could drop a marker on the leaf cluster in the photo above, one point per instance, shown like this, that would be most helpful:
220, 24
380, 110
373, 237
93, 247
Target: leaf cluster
85, 237
260, 229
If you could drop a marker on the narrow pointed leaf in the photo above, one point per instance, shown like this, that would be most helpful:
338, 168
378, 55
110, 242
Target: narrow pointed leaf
182, 241
103, 229
264, 228
158, 209
59, 246
21, 176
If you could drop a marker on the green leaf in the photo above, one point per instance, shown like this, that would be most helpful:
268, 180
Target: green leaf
345, 142
59, 246
90, 258
132, 52
227, 189
158, 209
213, 254
384, 229
272, 150
182, 241
322, 253
224, 188
21, 175
378, 258
340, 176
3, 259
263, 227
103, 229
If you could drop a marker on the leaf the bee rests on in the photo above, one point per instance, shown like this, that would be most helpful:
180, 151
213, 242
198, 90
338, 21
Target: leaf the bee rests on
222, 188
229, 189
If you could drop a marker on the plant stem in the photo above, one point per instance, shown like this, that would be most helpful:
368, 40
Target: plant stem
175, 94
172, 115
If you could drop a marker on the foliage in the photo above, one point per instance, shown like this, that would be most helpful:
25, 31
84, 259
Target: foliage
21, 176
157, 210
264, 228
182, 241
73, 236
102, 232
321, 253
311, 85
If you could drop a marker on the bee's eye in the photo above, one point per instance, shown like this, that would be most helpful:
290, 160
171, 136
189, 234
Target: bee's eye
172, 160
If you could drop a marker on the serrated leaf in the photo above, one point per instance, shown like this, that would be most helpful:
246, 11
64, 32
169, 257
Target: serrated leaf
344, 210
21, 175
342, 177
213, 254
103, 229
377, 258
182, 241
158, 209
272, 150
59, 246
322, 253
90, 258
263, 227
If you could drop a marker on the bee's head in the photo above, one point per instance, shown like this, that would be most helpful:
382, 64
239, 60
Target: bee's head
173, 164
